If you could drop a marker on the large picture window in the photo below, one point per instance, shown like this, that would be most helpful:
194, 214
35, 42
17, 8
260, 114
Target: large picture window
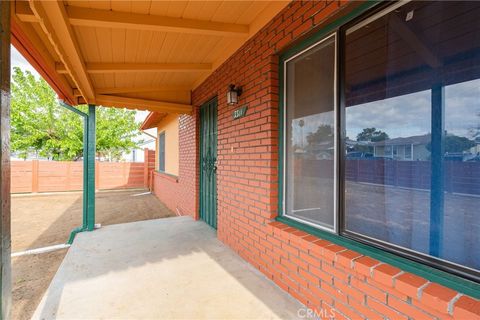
409, 154
412, 99
310, 135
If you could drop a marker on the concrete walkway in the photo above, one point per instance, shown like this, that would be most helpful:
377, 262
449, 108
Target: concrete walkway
160, 269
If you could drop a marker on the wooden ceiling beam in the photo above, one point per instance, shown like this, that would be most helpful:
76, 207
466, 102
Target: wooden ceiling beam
423, 50
23, 12
87, 17
142, 104
140, 67
115, 90
53, 19
33, 49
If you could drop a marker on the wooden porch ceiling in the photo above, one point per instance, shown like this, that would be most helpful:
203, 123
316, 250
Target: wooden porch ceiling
145, 55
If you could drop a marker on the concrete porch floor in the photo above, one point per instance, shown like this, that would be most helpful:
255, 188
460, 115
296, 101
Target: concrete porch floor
160, 269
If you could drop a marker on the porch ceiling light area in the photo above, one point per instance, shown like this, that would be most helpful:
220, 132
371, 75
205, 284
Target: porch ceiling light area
100, 52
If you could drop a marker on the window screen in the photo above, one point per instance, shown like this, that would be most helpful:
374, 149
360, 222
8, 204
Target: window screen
310, 135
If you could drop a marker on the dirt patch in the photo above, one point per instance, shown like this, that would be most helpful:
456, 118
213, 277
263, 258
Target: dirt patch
31, 277
47, 219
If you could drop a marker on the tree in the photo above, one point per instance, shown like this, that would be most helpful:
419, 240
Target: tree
454, 144
372, 135
40, 125
324, 134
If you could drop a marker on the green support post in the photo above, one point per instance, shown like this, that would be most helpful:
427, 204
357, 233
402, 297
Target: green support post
91, 150
85, 175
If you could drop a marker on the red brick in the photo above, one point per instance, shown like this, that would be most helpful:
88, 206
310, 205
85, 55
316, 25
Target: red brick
409, 284
317, 247
324, 276
385, 310
325, 13
306, 26
247, 184
409, 310
312, 279
437, 297
384, 274
329, 252
321, 294
369, 290
350, 291
364, 265
367, 311
346, 258
348, 310
466, 308
434, 312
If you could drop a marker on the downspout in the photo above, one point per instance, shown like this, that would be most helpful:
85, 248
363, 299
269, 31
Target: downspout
86, 127
148, 134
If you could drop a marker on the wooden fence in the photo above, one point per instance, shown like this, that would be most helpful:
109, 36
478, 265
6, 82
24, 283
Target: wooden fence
459, 177
54, 176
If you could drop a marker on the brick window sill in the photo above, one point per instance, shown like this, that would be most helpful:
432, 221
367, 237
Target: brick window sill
412, 279
167, 176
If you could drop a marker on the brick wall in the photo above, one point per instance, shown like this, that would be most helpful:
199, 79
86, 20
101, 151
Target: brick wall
318, 273
180, 193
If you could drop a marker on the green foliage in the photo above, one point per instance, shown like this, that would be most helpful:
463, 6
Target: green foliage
323, 134
372, 135
41, 126
454, 144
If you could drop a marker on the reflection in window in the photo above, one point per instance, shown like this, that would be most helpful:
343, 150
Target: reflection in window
310, 135
412, 98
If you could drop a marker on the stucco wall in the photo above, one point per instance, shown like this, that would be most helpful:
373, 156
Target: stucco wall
169, 125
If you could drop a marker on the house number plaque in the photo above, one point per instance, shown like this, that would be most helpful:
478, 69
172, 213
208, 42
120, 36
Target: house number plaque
240, 113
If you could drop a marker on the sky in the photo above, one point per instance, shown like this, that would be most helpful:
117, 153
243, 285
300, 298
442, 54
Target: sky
17, 60
406, 115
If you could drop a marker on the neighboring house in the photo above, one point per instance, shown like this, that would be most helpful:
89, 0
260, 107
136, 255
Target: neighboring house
167, 160
408, 148
476, 149
138, 154
166, 146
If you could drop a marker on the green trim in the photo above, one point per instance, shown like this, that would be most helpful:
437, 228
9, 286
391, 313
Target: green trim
207, 161
432, 274
89, 151
200, 157
446, 279
91, 168
73, 109
73, 233
322, 33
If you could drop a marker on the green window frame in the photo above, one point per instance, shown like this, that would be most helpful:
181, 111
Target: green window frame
430, 271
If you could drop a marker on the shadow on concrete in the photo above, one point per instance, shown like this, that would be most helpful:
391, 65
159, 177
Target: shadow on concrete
133, 264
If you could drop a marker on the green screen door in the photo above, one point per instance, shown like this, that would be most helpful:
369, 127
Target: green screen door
208, 162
